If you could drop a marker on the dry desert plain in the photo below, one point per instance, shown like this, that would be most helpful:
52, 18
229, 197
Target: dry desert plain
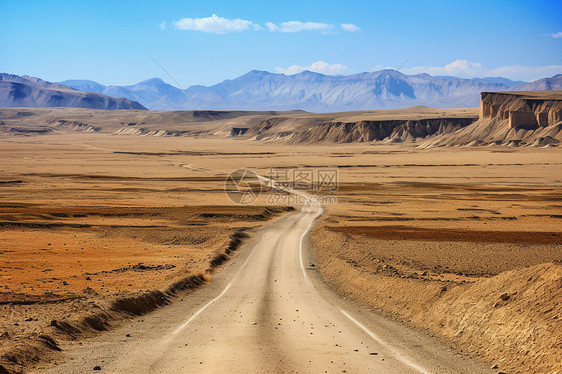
461, 243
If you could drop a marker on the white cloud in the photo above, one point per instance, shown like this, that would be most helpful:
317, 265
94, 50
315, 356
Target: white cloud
221, 25
215, 24
458, 68
349, 27
163, 25
556, 35
468, 69
296, 26
318, 67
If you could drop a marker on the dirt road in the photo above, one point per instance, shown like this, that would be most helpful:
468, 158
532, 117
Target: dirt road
266, 312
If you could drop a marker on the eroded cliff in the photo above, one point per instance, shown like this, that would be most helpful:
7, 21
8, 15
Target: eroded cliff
532, 118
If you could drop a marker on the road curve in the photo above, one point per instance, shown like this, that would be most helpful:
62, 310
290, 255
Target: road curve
266, 311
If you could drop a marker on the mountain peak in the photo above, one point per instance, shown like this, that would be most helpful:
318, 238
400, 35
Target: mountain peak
26, 91
153, 81
390, 72
308, 73
257, 73
313, 91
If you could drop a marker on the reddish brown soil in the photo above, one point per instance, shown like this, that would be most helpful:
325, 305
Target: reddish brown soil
450, 235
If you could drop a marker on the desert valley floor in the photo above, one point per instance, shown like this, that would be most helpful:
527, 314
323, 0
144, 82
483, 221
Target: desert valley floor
460, 242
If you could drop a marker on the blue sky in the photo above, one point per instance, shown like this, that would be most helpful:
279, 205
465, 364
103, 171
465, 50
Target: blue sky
205, 42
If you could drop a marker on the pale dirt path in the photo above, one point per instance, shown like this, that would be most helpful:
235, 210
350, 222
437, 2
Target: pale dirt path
265, 312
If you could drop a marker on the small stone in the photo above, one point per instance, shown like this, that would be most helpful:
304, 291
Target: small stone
97, 368
504, 296
494, 366
373, 353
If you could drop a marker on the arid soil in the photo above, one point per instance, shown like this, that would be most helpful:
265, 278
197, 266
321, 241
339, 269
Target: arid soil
89, 236
289, 126
266, 311
471, 253
462, 242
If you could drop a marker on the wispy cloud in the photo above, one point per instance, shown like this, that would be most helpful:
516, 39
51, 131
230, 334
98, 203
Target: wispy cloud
457, 67
318, 67
349, 27
556, 35
163, 25
297, 26
215, 24
468, 69
221, 25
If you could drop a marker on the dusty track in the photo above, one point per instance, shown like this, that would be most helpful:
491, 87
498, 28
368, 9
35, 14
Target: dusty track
266, 311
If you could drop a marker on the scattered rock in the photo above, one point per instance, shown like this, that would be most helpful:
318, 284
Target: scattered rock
504, 296
494, 366
373, 353
97, 368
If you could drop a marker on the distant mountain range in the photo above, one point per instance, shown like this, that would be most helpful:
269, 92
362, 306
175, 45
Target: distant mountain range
309, 91
545, 84
153, 93
25, 91
314, 92
261, 90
